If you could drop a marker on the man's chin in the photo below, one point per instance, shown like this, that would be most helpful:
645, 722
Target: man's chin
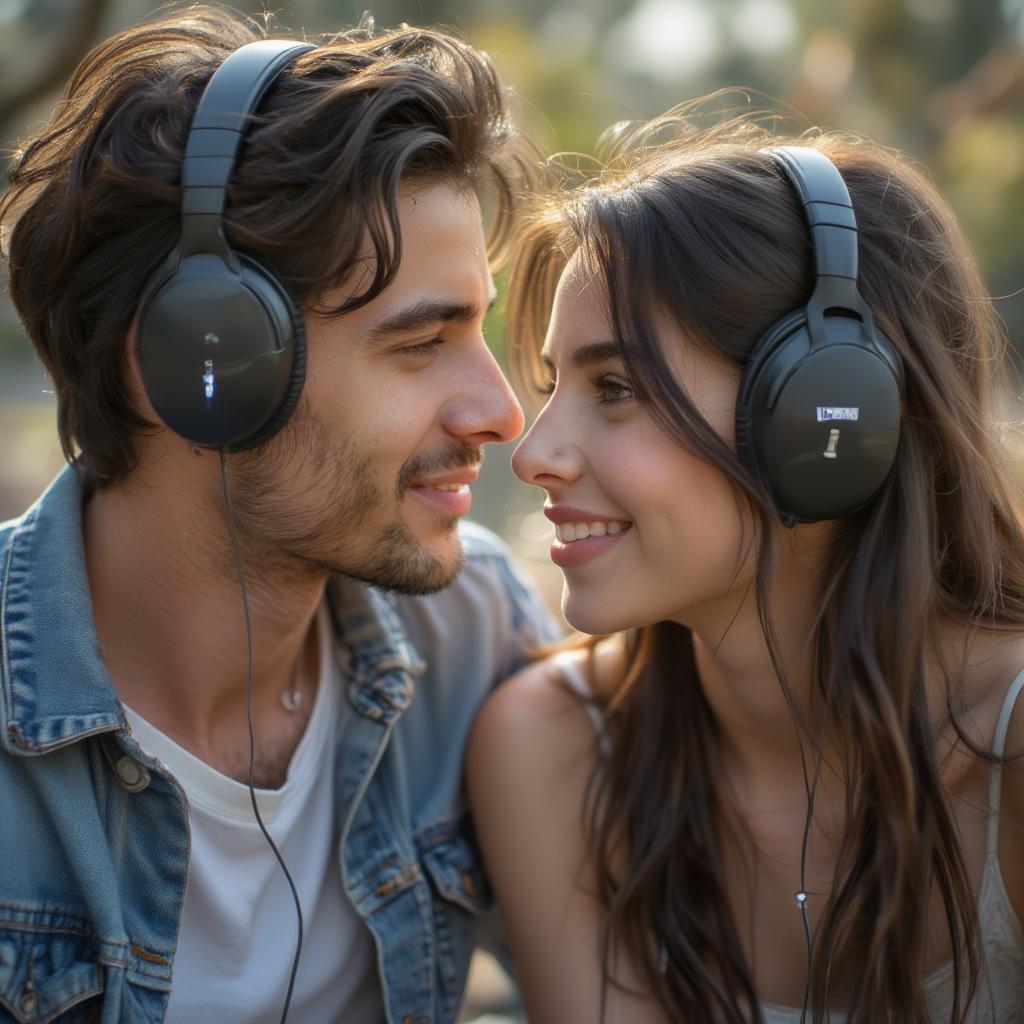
411, 568
440, 573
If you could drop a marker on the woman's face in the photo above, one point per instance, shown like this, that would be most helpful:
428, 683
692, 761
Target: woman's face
661, 530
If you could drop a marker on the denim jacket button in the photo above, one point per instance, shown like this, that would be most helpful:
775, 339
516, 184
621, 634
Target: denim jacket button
29, 1003
133, 775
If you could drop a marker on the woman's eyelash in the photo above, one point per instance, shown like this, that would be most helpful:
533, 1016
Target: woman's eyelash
612, 390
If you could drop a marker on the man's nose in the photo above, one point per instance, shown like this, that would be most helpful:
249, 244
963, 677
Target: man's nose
486, 410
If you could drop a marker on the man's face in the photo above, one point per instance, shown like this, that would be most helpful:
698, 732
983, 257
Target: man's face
370, 475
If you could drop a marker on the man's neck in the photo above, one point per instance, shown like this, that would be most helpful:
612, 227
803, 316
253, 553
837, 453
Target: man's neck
168, 612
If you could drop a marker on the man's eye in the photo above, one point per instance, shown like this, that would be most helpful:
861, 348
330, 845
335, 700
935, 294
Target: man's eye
424, 348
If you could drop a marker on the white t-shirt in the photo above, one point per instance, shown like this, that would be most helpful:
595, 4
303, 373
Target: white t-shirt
238, 923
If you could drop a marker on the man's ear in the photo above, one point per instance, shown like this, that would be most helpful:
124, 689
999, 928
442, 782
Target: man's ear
133, 381
137, 390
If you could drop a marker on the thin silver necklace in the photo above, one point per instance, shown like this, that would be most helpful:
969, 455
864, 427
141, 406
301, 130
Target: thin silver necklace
291, 698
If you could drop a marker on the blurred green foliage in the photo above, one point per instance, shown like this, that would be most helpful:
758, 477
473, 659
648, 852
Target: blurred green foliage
942, 80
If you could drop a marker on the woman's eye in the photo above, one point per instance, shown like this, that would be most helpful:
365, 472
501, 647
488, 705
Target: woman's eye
545, 387
612, 390
424, 348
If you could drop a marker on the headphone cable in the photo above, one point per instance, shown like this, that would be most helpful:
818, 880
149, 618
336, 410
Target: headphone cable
801, 896
810, 789
252, 732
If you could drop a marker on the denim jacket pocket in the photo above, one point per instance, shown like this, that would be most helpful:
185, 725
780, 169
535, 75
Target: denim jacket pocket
454, 866
459, 894
48, 969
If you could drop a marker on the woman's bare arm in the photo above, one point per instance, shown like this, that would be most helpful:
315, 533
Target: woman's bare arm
529, 759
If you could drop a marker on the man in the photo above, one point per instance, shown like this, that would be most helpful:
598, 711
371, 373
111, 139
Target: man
191, 636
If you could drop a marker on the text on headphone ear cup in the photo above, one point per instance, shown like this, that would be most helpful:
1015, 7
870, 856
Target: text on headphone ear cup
825, 421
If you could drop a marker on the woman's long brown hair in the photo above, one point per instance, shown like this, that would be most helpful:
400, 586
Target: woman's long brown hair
700, 225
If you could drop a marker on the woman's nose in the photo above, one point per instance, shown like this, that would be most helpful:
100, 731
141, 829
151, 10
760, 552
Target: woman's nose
546, 456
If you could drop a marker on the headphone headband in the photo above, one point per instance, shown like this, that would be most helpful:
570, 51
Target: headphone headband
221, 341
216, 135
827, 206
819, 405
828, 211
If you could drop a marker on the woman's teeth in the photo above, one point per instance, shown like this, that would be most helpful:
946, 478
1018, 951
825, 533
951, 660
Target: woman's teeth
567, 532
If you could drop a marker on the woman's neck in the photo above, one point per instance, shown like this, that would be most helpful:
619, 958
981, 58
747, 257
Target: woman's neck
740, 677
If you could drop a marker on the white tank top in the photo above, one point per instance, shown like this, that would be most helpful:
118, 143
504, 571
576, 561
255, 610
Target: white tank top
238, 926
1000, 995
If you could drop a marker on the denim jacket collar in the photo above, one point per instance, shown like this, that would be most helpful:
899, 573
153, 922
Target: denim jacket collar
383, 665
55, 686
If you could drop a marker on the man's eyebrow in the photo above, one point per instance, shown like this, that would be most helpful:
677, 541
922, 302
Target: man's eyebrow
586, 355
425, 313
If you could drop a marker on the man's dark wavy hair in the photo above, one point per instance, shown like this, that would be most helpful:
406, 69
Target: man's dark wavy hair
93, 202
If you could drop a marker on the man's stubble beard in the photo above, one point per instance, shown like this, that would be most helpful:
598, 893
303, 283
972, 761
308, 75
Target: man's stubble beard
303, 504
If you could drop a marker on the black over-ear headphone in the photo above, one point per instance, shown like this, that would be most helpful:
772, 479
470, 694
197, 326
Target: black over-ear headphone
818, 409
221, 343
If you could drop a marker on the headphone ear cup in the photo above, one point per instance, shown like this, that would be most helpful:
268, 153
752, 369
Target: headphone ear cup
266, 283
763, 349
221, 352
824, 421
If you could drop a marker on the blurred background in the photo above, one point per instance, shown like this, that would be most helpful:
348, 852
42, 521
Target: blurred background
942, 80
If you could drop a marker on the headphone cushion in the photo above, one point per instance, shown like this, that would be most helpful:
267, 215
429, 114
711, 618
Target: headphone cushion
760, 353
297, 378
221, 351
822, 422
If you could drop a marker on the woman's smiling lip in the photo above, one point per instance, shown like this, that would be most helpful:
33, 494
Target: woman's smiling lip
570, 553
568, 514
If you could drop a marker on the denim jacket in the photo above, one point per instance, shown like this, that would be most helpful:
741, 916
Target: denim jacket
94, 835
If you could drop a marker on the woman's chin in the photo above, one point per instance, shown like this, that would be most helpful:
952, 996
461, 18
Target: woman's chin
611, 610
596, 618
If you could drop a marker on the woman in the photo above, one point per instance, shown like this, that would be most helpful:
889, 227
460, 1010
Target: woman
770, 787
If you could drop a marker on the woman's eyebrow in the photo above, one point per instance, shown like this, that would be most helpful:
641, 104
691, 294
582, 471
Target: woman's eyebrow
586, 355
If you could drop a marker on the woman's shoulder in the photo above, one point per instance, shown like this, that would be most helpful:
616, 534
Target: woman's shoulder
1008, 740
556, 687
531, 753
545, 715
991, 684
1005, 727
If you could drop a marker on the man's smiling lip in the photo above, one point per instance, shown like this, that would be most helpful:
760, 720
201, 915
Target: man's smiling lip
461, 476
451, 502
